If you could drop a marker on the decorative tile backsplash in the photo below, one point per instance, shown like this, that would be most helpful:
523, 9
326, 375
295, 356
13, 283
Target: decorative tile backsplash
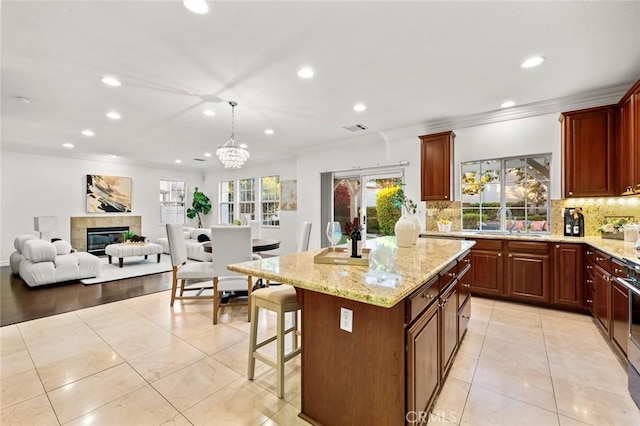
593, 209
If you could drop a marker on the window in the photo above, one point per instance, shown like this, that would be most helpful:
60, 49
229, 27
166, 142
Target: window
172, 201
492, 189
270, 200
226, 201
247, 197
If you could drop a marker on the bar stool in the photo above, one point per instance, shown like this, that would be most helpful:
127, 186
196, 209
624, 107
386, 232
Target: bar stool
280, 299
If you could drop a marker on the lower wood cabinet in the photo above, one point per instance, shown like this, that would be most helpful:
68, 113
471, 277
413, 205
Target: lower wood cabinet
423, 360
449, 313
620, 316
601, 294
568, 282
527, 271
486, 267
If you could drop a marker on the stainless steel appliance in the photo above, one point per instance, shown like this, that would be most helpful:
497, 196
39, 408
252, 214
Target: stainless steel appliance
632, 283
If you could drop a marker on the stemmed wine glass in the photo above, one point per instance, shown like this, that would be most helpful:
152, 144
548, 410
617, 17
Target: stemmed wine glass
334, 234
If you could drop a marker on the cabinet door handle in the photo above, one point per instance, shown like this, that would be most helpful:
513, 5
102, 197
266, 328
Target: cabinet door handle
499, 254
466, 261
589, 301
570, 192
617, 271
557, 245
589, 267
589, 252
465, 316
451, 274
466, 285
510, 255
589, 281
427, 296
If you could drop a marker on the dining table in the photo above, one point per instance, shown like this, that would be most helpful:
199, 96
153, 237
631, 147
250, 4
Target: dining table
257, 244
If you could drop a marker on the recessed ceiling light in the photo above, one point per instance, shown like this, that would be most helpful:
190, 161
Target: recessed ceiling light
114, 115
209, 113
359, 107
269, 131
207, 154
532, 62
111, 81
177, 161
507, 104
88, 132
196, 6
305, 73
67, 145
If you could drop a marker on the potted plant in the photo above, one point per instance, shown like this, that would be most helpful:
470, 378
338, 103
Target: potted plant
201, 205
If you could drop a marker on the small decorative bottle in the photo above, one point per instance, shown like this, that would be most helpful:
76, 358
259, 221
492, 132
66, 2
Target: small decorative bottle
356, 240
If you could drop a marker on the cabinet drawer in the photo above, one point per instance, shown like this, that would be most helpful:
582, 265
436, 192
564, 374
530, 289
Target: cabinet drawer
617, 269
464, 262
603, 260
448, 274
527, 246
495, 245
464, 314
421, 299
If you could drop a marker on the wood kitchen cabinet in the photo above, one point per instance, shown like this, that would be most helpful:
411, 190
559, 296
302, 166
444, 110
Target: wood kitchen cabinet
423, 360
486, 267
601, 296
449, 315
568, 282
436, 166
588, 139
628, 146
620, 316
528, 269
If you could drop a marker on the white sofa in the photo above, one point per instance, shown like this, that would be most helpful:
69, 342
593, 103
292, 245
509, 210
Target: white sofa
39, 262
195, 251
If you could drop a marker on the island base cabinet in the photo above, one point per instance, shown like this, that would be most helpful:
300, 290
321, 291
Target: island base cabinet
352, 378
449, 309
464, 315
423, 362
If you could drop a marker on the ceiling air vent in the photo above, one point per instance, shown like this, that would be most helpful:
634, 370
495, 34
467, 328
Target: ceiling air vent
199, 159
356, 128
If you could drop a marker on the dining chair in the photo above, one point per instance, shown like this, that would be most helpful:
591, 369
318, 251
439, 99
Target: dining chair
230, 244
194, 277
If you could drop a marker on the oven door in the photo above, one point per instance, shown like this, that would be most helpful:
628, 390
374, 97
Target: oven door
634, 324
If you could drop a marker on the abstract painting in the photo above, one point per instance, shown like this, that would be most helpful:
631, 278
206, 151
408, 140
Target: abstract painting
289, 195
108, 194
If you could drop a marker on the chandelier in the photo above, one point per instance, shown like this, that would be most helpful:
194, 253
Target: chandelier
231, 155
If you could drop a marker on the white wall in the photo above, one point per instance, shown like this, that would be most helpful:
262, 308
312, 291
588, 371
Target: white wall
37, 185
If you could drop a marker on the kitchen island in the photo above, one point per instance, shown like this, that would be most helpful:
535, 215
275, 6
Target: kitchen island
389, 367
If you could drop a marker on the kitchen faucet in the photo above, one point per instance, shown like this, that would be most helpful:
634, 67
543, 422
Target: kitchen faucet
509, 215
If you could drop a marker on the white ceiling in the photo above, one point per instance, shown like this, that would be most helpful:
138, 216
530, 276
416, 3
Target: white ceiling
410, 62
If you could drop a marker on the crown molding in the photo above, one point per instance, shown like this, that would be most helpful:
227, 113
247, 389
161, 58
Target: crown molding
598, 97
8, 146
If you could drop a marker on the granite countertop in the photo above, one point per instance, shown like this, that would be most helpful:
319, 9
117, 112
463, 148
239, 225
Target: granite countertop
616, 248
415, 265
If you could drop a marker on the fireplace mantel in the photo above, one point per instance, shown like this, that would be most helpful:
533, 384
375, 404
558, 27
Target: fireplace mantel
79, 225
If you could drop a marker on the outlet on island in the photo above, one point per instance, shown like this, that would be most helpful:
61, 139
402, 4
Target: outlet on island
346, 320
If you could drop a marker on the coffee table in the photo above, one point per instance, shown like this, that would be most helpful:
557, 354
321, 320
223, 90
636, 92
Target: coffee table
123, 250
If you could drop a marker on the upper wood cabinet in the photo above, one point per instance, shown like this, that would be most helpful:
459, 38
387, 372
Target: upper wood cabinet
588, 138
628, 146
436, 166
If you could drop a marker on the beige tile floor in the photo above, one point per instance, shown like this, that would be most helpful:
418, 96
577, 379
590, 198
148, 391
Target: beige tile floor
138, 362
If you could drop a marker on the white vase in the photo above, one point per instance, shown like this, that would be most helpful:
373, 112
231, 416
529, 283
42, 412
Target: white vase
416, 222
405, 230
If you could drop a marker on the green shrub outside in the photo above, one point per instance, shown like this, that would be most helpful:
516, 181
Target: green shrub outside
387, 214
373, 227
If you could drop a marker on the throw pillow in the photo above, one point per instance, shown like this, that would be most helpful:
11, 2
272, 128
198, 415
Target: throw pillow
203, 237
62, 247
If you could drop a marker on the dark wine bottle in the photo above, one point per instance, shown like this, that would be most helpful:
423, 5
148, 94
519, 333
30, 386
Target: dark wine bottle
356, 242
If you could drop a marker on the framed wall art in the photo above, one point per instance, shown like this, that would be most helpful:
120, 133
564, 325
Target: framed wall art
108, 194
289, 195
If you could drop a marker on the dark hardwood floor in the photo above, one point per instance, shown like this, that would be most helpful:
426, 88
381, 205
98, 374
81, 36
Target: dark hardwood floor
19, 302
